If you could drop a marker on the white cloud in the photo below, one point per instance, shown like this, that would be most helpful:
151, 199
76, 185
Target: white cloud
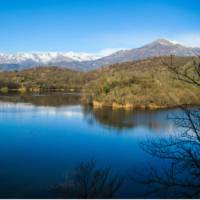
189, 39
109, 51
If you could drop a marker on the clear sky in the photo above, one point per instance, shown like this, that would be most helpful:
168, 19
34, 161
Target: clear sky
93, 25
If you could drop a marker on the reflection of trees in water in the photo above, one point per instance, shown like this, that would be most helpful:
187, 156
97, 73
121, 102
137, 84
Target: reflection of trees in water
48, 99
88, 181
120, 118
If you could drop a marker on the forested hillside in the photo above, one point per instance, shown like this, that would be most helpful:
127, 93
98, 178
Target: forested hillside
145, 84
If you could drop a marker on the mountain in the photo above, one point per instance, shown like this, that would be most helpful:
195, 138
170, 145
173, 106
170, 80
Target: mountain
160, 47
26, 60
88, 61
42, 57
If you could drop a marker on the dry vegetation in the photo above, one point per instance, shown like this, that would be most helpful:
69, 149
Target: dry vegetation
145, 84
41, 79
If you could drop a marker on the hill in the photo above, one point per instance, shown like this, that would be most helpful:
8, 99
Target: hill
42, 79
141, 84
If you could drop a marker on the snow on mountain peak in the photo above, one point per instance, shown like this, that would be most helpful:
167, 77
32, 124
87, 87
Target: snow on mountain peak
49, 57
174, 42
165, 42
45, 57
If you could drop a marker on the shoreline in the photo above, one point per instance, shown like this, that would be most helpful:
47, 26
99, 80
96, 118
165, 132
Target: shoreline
98, 105
130, 107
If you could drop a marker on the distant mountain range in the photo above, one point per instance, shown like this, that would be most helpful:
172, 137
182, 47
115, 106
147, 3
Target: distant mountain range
87, 61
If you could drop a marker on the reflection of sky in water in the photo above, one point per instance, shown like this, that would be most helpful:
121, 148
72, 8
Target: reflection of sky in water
41, 110
39, 144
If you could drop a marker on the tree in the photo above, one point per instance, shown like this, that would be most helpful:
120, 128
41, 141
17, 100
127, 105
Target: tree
182, 151
88, 181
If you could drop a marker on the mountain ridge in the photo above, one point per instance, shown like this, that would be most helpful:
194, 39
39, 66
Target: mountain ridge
88, 61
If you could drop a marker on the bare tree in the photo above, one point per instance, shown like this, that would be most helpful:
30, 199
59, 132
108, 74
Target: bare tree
189, 73
88, 181
181, 176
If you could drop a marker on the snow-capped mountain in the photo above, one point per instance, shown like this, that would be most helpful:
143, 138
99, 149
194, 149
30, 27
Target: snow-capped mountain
160, 47
45, 57
89, 61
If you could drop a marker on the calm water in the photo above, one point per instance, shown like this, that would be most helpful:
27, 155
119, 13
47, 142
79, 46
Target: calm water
44, 136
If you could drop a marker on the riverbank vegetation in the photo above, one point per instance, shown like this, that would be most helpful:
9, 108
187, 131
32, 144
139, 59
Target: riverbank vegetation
144, 84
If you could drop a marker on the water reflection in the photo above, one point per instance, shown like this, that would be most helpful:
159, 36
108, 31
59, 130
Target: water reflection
54, 103
44, 99
44, 136
123, 119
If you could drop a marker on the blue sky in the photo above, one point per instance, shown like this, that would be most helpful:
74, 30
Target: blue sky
93, 25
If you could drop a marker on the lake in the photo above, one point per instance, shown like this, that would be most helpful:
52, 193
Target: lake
44, 136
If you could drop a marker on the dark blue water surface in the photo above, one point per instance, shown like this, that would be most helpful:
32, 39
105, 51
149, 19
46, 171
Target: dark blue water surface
42, 137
